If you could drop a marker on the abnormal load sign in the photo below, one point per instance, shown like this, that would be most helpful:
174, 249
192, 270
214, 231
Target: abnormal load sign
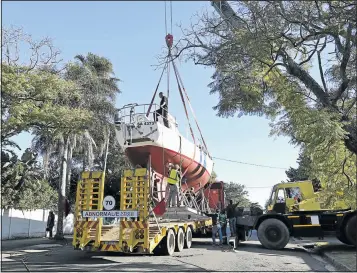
109, 214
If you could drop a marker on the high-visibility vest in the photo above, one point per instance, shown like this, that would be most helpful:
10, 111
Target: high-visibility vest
173, 177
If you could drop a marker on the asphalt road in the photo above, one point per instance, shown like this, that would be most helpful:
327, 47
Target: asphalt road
250, 256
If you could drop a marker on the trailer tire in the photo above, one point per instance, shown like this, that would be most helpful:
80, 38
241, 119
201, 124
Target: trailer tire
168, 243
180, 240
350, 230
273, 234
188, 238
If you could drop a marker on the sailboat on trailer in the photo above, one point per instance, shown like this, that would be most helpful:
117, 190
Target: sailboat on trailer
145, 140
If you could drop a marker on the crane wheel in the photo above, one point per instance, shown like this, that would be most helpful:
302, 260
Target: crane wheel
273, 234
188, 238
180, 240
342, 238
350, 230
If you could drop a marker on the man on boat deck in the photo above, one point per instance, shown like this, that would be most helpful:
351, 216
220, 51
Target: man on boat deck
173, 180
216, 227
163, 109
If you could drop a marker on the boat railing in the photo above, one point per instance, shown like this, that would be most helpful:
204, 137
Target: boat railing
128, 113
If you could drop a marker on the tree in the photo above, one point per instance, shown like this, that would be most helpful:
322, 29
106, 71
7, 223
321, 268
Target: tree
93, 76
303, 171
263, 52
22, 183
31, 100
116, 163
237, 193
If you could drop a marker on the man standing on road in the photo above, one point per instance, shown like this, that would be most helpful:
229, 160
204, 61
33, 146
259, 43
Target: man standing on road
223, 223
231, 216
216, 228
50, 223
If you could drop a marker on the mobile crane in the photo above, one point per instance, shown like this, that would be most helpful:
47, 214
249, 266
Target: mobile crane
276, 227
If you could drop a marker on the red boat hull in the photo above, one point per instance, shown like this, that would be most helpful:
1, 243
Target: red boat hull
197, 176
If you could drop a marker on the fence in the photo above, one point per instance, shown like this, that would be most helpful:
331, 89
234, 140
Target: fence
28, 224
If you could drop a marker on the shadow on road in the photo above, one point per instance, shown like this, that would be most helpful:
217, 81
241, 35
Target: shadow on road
282, 255
248, 255
66, 259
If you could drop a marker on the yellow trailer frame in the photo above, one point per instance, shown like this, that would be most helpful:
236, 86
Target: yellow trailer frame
143, 234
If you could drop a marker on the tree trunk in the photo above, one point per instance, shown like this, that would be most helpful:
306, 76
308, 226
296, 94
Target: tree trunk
351, 140
84, 162
62, 189
69, 172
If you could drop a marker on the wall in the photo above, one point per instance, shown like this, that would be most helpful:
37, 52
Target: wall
27, 224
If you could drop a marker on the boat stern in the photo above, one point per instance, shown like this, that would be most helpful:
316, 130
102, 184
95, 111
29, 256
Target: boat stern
133, 126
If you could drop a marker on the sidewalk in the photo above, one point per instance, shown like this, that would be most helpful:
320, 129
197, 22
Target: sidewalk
342, 256
7, 245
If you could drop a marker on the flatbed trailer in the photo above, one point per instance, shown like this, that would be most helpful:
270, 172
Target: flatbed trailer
138, 230
274, 230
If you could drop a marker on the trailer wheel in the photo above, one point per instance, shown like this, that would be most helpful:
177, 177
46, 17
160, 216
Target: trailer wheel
188, 238
180, 240
350, 230
168, 243
273, 234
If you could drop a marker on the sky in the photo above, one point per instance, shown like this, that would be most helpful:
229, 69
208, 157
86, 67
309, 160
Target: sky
131, 35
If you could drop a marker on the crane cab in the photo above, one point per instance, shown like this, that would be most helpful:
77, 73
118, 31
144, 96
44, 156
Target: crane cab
298, 196
285, 197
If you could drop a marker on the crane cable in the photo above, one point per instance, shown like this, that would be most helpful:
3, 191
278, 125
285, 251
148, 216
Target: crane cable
169, 47
166, 17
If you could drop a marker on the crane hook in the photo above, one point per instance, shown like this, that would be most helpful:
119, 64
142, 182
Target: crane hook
169, 40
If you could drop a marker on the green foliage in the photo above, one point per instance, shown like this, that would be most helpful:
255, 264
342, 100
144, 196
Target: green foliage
336, 169
37, 99
23, 186
303, 171
116, 163
263, 53
237, 193
69, 114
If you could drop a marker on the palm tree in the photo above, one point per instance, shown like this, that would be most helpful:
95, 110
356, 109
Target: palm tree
98, 89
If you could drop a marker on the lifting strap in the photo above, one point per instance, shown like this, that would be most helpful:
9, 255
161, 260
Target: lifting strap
188, 119
189, 103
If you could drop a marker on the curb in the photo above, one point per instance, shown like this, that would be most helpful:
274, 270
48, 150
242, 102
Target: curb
336, 263
11, 245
